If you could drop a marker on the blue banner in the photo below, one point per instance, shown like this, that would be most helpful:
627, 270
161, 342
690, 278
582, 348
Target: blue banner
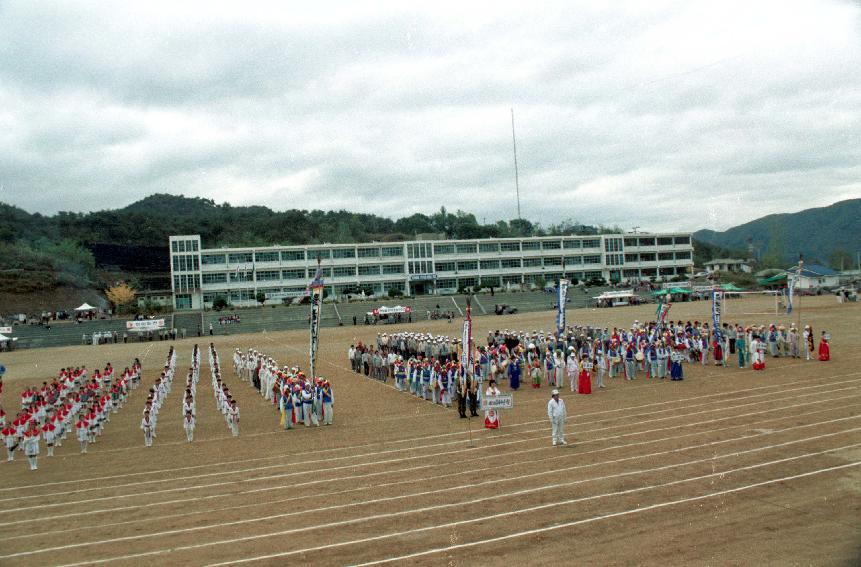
717, 305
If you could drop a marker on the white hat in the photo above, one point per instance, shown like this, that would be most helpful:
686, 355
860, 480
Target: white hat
554, 393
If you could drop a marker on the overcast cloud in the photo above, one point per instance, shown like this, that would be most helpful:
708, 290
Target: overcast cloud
663, 115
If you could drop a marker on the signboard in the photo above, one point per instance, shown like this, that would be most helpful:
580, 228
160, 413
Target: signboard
145, 325
676, 357
561, 299
5, 330
422, 277
283, 294
502, 401
392, 310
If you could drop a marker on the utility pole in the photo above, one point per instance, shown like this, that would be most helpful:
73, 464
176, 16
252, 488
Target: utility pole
516, 176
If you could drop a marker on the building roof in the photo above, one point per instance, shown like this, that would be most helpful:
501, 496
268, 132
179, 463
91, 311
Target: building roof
813, 270
726, 261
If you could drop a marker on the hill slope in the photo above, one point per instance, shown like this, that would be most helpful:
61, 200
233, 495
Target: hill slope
818, 233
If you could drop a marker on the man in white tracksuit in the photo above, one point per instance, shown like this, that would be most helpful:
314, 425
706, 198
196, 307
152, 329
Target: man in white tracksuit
557, 414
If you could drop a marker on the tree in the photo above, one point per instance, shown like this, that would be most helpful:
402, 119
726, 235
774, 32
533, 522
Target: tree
219, 303
260, 297
840, 259
120, 295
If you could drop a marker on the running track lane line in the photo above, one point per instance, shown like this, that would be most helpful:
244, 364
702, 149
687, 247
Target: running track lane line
405, 440
468, 521
395, 483
431, 508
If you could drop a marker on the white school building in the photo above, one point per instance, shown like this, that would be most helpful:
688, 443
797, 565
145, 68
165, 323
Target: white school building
417, 267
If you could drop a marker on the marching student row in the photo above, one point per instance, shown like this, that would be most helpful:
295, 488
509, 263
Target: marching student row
298, 398
73, 399
224, 401
156, 396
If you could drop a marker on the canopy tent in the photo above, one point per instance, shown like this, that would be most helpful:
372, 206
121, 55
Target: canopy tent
85, 307
778, 279
671, 291
4, 338
730, 287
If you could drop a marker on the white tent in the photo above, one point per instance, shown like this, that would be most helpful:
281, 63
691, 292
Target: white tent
85, 307
4, 338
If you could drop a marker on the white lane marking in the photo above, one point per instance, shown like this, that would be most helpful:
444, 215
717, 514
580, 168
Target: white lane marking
455, 474
637, 510
405, 440
353, 521
396, 460
413, 531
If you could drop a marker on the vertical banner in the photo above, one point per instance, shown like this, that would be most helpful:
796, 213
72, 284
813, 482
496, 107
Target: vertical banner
661, 317
717, 305
562, 300
316, 293
466, 339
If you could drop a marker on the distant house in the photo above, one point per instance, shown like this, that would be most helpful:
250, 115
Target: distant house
728, 265
813, 276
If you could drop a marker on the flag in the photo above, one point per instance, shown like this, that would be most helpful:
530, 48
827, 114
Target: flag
661, 317
561, 299
717, 305
466, 339
316, 292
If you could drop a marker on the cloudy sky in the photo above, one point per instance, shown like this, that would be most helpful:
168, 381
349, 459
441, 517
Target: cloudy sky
663, 115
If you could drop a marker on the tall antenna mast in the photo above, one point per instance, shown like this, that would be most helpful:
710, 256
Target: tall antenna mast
516, 177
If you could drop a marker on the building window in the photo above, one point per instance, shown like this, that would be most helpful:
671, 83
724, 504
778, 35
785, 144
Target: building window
174, 247
369, 252
242, 277
266, 257
213, 259
532, 262
194, 245
445, 266
593, 275
571, 244
421, 267
344, 271
490, 281
592, 243
556, 261
400, 286
373, 270
322, 253
343, 253
448, 283
181, 246
443, 249
592, 259
489, 264
488, 247
612, 244
615, 259
665, 241
466, 248
511, 263
573, 260
466, 282
683, 255
509, 246
393, 268
631, 273
268, 275
294, 274
393, 251
631, 242
530, 245
218, 278
665, 256
512, 279
632, 258
551, 245
292, 255
646, 241
682, 239
240, 258
466, 265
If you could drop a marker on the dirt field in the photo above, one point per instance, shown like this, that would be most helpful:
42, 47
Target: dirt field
728, 467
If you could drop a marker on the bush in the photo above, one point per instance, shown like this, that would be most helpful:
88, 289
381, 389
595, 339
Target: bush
220, 303
394, 292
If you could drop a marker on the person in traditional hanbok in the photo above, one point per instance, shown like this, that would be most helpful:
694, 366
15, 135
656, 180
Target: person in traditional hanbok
757, 351
571, 368
717, 347
584, 380
676, 372
515, 369
491, 419
824, 349
535, 373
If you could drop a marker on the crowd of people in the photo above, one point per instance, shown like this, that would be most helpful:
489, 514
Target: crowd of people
429, 367
73, 400
296, 397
